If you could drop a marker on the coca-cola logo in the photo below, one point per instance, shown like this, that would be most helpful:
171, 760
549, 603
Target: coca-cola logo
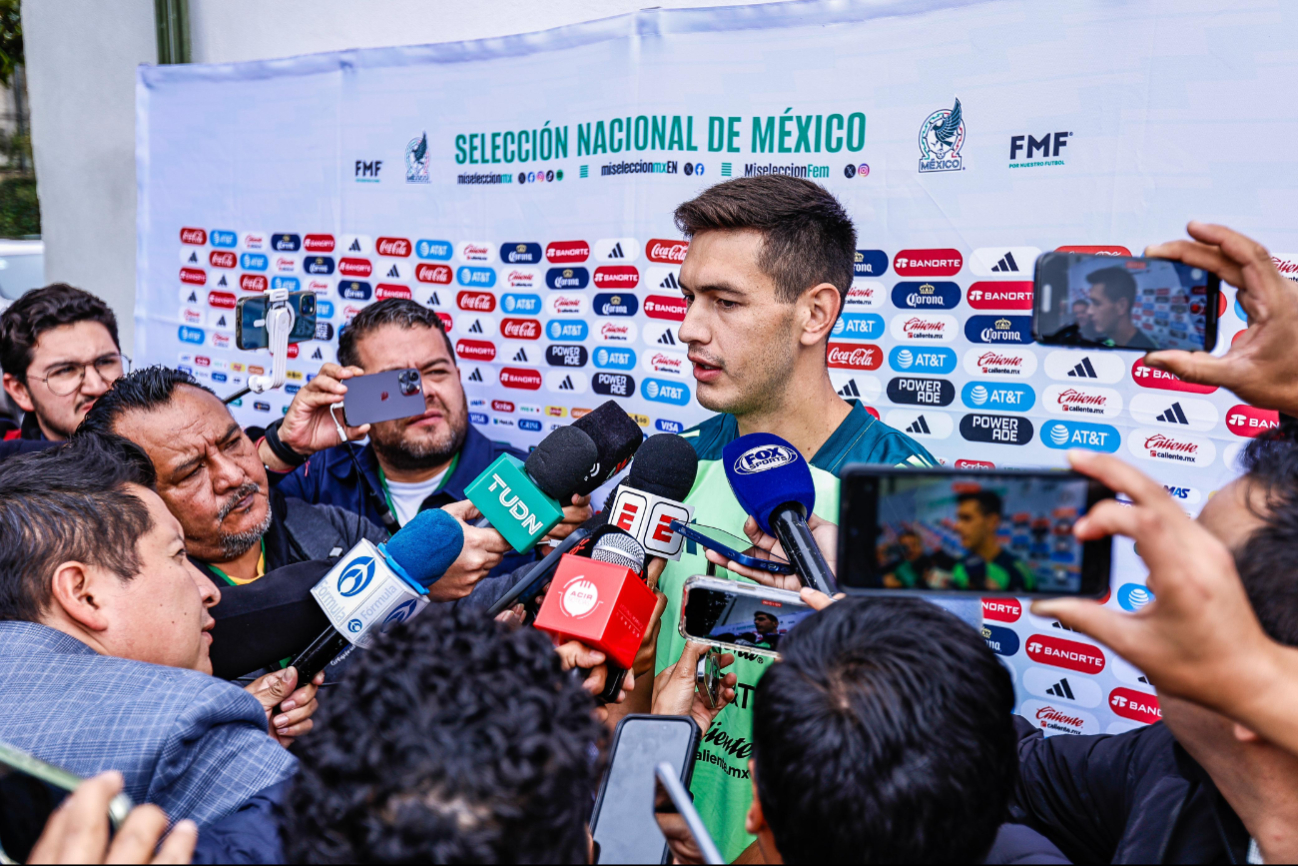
854, 356
567, 252
222, 300
521, 329
193, 276
475, 350
1070, 654
393, 247
197, 237
664, 307
355, 267
617, 277
252, 282
383, 291
219, 259
1150, 377
318, 243
666, 252
478, 302
520, 377
437, 274
1249, 421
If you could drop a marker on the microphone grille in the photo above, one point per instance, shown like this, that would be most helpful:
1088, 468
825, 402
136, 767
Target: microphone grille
619, 548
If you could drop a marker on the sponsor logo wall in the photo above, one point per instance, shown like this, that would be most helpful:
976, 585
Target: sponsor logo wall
545, 242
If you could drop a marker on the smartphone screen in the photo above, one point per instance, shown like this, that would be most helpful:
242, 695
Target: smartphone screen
1121, 302
384, 396
940, 531
624, 825
729, 614
250, 320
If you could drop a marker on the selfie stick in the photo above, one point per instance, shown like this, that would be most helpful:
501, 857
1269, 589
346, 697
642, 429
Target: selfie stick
279, 324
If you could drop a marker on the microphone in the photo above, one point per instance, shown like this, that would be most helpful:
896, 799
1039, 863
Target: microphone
773, 483
524, 500
530, 584
616, 437
373, 587
647, 502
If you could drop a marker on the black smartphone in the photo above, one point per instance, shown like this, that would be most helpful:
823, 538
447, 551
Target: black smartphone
623, 823
946, 531
1124, 302
250, 320
746, 618
740, 550
384, 396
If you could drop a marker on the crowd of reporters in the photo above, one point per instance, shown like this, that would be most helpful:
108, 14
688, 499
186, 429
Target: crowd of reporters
156, 562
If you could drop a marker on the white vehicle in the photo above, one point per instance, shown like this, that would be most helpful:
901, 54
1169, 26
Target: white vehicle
22, 267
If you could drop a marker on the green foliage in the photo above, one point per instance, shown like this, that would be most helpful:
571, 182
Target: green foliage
20, 211
11, 40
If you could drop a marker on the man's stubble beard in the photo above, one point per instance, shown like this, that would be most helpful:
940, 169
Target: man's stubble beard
767, 379
424, 454
235, 544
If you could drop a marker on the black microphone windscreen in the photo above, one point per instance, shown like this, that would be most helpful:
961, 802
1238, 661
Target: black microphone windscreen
616, 437
560, 464
666, 465
259, 623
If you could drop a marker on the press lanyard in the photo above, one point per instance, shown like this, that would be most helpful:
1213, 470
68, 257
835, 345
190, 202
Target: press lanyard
446, 476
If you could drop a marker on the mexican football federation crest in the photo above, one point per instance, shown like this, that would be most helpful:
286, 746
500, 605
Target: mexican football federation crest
417, 160
940, 138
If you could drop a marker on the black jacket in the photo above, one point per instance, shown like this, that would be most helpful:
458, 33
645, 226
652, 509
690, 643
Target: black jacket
1136, 797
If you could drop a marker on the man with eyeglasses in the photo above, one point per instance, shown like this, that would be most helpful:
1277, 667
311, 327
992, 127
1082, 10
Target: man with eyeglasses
59, 352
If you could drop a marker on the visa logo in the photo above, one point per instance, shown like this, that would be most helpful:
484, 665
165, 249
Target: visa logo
477, 418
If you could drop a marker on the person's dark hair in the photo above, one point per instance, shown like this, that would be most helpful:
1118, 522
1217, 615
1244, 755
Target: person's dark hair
41, 310
454, 740
808, 238
989, 501
1118, 284
884, 735
1080, 302
140, 390
1265, 560
392, 311
65, 504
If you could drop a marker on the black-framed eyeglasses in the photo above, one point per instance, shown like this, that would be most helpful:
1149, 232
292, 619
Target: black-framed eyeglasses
65, 379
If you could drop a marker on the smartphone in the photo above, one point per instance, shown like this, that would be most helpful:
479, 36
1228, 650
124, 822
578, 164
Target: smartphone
707, 677
1124, 302
30, 791
250, 320
741, 550
744, 617
947, 532
623, 823
677, 817
383, 396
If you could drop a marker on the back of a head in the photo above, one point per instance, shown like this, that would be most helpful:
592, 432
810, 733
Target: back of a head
1265, 560
140, 390
40, 310
453, 740
884, 735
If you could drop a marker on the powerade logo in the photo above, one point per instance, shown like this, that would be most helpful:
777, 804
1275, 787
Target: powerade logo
356, 577
667, 426
998, 329
565, 356
615, 304
224, 239
986, 395
1077, 434
520, 254
477, 418
471, 276
861, 326
190, 335
1000, 640
614, 384
528, 305
1133, 596
922, 392
763, 458
997, 429
935, 295
906, 359
436, 251
567, 278
662, 391
531, 425
557, 329
615, 359
870, 263
253, 262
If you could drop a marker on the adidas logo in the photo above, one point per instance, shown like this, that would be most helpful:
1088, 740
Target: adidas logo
317, 355
193, 259
566, 384
1084, 370
616, 252
394, 273
434, 301
850, 390
520, 356
1006, 265
670, 283
1173, 415
476, 327
1061, 689
222, 281
1144, 679
220, 323
476, 375
667, 339
919, 425
192, 299
355, 247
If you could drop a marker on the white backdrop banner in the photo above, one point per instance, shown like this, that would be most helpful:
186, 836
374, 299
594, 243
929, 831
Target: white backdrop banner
523, 187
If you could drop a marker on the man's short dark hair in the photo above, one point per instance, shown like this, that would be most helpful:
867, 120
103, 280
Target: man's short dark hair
1118, 284
453, 740
65, 504
140, 390
392, 311
989, 501
1265, 560
884, 736
808, 238
41, 310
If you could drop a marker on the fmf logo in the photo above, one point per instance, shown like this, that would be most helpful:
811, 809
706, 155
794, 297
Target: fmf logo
854, 356
666, 252
765, 457
567, 252
928, 263
1069, 654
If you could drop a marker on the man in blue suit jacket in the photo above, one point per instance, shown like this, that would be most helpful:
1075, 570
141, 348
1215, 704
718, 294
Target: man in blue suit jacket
104, 640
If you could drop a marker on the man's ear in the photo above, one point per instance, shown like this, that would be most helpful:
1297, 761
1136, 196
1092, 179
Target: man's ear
73, 591
17, 391
822, 305
754, 821
1245, 735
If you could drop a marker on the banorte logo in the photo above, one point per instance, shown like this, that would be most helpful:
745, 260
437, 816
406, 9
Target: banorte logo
436, 274
1002, 609
477, 302
666, 252
567, 252
1149, 377
616, 277
392, 247
855, 356
520, 378
475, 350
1000, 296
664, 307
318, 243
1249, 421
355, 267
221, 300
520, 329
383, 291
1134, 705
193, 276
927, 263
1061, 653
